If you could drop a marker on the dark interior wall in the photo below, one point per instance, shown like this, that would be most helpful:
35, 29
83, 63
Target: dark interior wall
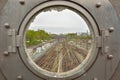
116, 4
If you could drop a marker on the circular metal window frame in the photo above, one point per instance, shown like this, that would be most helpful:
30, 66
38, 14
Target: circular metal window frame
89, 18
72, 70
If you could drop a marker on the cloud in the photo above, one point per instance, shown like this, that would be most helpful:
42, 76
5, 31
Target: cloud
65, 21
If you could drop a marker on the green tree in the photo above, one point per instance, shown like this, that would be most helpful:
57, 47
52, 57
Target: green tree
36, 37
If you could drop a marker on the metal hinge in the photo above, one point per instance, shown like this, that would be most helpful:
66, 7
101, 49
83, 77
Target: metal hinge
105, 40
102, 40
15, 40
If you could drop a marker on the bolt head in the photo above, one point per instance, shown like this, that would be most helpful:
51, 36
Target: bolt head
95, 79
7, 25
6, 53
111, 29
19, 77
22, 2
98, 5
110, 56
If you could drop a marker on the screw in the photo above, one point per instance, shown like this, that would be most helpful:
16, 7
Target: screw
111, 29
95, 79
22, 2
7, 25
110, 56
98, 5
6, 53
19, 77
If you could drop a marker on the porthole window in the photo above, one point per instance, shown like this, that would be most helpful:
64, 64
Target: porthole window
58, 40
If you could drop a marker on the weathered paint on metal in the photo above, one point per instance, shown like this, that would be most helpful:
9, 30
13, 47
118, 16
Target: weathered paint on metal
13, 67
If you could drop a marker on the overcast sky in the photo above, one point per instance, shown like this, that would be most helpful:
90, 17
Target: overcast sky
65, 21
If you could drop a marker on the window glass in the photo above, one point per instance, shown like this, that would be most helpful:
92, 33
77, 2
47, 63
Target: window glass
58, 39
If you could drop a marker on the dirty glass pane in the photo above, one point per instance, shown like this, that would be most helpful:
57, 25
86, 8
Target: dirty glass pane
58, 39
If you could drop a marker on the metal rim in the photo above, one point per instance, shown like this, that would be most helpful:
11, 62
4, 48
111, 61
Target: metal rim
61, 3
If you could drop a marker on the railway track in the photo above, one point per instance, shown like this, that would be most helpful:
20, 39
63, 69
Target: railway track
62, 57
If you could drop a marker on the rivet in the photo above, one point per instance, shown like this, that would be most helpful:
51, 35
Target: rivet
22, 2
6, 53
19, 77
110, 56
7, 25
98, 5
95, 79
111, 29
